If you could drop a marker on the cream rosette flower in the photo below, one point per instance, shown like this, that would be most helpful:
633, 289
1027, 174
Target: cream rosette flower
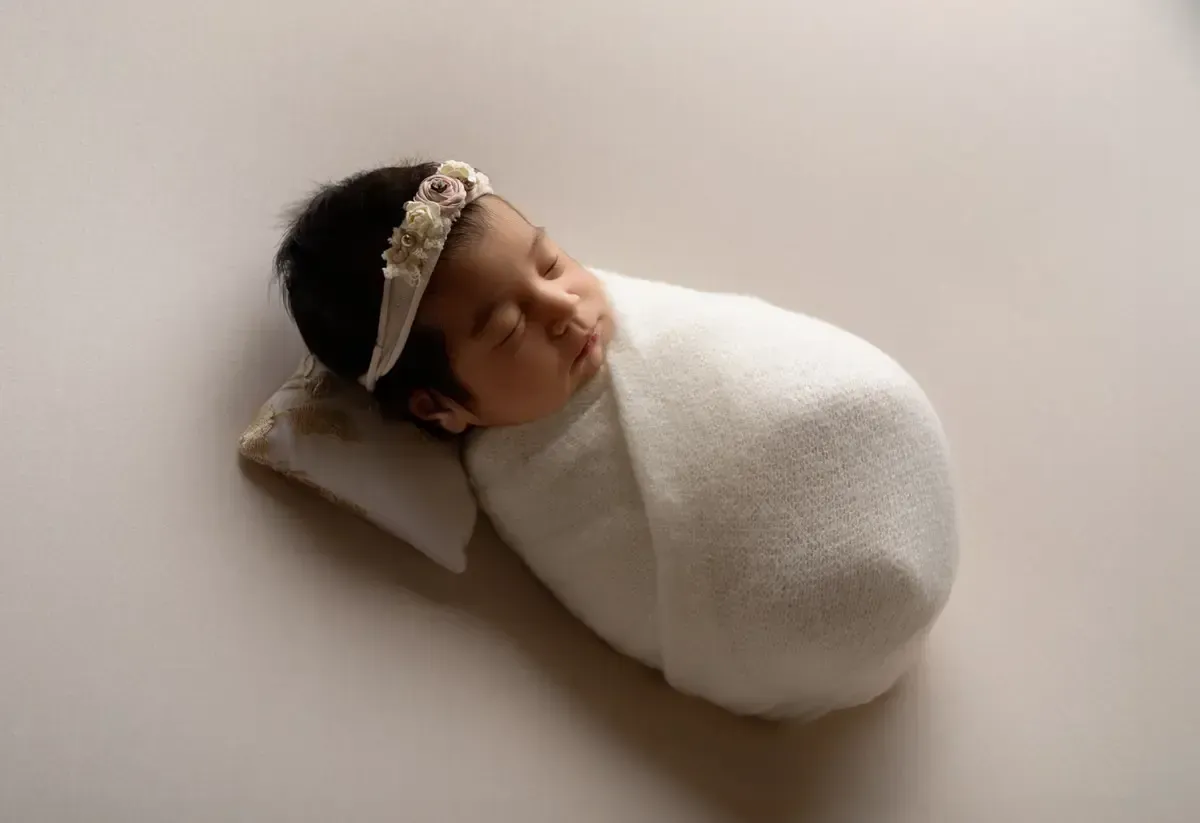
425, 221
459, 171
405, 256
422, 232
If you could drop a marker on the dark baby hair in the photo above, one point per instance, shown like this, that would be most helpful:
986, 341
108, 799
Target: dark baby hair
330, 265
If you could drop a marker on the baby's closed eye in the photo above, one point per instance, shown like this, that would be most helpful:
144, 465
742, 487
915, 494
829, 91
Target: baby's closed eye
516, 331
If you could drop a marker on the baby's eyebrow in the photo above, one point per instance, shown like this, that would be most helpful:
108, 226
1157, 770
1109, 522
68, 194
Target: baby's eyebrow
539, 234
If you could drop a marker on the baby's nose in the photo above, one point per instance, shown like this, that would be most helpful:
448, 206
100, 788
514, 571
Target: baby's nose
560, 313
559, 327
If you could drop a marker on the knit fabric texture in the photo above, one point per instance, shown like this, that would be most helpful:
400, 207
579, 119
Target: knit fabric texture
753, 501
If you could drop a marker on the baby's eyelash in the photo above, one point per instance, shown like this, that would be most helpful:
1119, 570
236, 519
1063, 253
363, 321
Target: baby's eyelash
515, 329
552, 268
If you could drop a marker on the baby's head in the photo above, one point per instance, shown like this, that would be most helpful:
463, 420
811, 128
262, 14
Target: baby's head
488, 324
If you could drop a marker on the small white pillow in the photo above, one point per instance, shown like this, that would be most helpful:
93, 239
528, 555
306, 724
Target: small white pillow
327, 434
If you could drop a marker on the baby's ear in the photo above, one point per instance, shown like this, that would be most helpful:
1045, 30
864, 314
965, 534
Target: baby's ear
436, 408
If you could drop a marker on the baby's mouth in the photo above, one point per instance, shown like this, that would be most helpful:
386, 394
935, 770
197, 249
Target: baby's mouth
590, 343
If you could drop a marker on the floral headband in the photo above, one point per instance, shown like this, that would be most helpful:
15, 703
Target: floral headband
416, 244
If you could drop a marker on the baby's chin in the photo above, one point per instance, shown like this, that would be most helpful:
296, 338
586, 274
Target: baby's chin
589, 372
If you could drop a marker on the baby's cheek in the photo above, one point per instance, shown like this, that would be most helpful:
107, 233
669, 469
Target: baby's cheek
538, 383
514, 379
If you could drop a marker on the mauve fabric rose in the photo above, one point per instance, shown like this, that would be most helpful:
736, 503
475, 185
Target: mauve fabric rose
444, 191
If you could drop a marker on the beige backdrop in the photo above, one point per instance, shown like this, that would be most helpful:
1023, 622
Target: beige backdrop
1004, 194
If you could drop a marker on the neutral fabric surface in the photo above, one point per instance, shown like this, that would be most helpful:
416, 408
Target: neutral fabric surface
752, 500
327, 434
562, 493
1004, 196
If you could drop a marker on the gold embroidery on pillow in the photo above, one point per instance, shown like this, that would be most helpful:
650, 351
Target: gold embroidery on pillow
322, 386
313, 416
303, 376
317, 419
325, 385
255, 443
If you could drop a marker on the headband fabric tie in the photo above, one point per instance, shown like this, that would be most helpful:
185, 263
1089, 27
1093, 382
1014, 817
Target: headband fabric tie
413, 252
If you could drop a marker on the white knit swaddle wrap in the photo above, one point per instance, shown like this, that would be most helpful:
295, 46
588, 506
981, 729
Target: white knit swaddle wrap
753, 501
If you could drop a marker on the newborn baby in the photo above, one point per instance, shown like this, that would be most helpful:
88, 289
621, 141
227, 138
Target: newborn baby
752, 501
508, 326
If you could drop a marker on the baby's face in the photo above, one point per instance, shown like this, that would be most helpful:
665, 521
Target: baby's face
525, 325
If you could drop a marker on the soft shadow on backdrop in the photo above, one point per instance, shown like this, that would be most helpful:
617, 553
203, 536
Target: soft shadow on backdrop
752, 770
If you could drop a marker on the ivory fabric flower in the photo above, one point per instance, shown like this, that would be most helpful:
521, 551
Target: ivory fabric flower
459, 171
406, 254
424, 221
447, 193
427, 218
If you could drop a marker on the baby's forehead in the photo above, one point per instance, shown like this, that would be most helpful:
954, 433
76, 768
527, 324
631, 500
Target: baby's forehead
486, 269
501, 243
504, 228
